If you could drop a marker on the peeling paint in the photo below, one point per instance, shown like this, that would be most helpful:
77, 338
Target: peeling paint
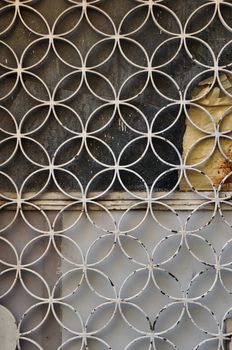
213, 116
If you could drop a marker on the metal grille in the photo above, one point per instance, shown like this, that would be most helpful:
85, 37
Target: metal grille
109, 111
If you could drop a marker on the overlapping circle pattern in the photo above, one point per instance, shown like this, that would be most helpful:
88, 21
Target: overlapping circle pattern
91, 68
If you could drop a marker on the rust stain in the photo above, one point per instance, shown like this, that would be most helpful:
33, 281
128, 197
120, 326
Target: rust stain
226, 169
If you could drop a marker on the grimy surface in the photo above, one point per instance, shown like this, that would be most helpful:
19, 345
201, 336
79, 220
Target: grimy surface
117, 69
104, 87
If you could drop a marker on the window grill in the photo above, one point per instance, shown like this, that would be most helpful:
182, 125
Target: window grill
115, 174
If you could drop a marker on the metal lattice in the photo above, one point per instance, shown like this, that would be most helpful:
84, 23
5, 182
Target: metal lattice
109, 110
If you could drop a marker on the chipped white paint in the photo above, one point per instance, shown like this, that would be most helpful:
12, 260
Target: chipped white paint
180, 243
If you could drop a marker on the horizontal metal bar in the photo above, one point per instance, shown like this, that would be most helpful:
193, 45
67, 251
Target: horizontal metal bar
119, 201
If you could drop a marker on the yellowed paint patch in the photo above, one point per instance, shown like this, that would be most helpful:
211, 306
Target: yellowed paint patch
200, 148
